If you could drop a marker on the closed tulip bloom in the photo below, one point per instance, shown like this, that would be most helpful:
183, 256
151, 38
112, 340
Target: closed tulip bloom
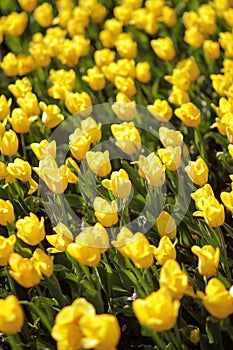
211, 49
92, 129
151, 311
95, 78
180, 78
78, 103
20, 121
173, 278
152, 169
124, 108
43, 263
99, 162
51, 116
213, 212
127, 136
208, 259
168, 16
171, 157
30, 229
84, 254
103, 57
20, 87
126, 67
165, 251
23, 271
201, 196
60, 240
29, 104
56, 178
9, 64
4, 175
100, 332
105, 212
125, 85
79, 144
170, 137
7, 212
178, 96
27, 5
217, 299
11, 315
125, 45
4, 107
227, 199
16, 23
66, 330
9, 143
119, 184
198, 171
191, 66
20, 169
6, 248
42, 148
164, 48
43, 14
161, 110
193, 37
135, 247
189, 114
143, 72
166, 225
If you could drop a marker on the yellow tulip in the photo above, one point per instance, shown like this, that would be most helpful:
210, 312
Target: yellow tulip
152, 169
11, 315
20, 87
143, 72
166, 225
151, 311
20, 121
43, 263
227, 199
124, 108
79, 103
79, 144
191, 66
23, 271
29, 104
171, 157
165, 251
202, 195
99, 162
125, 85
193, 37
66, 330
44, 147
16, 23
95, 78
4, 107
125, 45
92, 129
189, 114
163, 48
51, 116
213, 212
105, 212
119, 184
27, 5
127, 136
100, 332
6, 248
160, 110
169, 16
198, 171
173, 278
43, 14
30, 229
60, 240
208, 259
9, 64
7, 212
178, 96
20, 169
9, 143
170, 137
217, 299
104, 57
211, 49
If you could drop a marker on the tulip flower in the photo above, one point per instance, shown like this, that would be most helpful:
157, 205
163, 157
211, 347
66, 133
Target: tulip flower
198, 171
189, 114
99, 162
166, 225
6, 248
30, 229
208, 259
23, 271
7, 215
61, 239
42, 263
165, 251
151, 311
119, 184
105, 212
152, 169
127, 136
11, 315
171, 157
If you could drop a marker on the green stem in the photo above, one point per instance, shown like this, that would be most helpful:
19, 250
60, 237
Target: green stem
171, 339
224, 252
11, 281
40, 313
199, 143
137, 273
23, 146
14, 342
158, 341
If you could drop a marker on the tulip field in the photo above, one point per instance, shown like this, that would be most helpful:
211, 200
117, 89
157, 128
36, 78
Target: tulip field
116, 174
